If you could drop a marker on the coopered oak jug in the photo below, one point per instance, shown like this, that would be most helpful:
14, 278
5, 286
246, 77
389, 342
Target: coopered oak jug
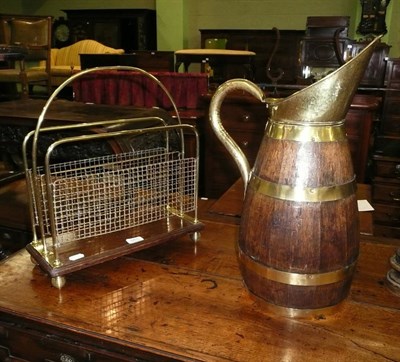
299, 235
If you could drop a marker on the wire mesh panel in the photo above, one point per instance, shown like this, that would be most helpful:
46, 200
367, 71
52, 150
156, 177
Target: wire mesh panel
105, 194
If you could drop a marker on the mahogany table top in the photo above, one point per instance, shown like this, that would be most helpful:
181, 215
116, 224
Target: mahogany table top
187, 301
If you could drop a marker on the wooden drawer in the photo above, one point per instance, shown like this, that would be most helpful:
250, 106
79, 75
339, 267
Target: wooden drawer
391, 126
391, 103
387, 231
221, 170
387, 214
391, 114
392, 77
243, 117
386, 192
359, 121
23, 342
249, 142
386, 167
29, 345
387, 146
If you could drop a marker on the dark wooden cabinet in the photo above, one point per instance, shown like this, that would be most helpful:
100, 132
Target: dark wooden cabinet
244, 118
128, 29
386, 159
360, 120
21, 340
325, 42
374, 75
323, 53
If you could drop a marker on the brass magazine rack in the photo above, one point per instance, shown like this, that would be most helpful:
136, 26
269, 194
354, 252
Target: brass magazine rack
88, 211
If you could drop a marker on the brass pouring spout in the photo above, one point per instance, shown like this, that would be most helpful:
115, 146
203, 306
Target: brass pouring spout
328, 100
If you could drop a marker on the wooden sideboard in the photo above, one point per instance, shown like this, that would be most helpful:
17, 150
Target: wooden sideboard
244, 118
186, 302
386, 159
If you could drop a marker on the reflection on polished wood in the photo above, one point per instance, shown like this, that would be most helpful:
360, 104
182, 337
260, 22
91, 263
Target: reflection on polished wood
186, 301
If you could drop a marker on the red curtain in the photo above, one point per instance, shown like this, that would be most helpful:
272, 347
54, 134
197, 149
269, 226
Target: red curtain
128, 88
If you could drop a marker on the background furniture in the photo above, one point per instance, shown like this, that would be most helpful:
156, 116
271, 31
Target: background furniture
182, 302
225, 59
374, 75
35, 35
65, 61
154, 61
216, 72
325, 42
134, 89
386, 159
15, 229
149, 60
295, 51
128, 29
8, 55
262, 42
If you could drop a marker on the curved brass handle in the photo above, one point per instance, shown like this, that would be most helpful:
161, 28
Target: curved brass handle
214, 114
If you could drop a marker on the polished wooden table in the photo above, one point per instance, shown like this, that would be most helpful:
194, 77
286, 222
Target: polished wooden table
185, 301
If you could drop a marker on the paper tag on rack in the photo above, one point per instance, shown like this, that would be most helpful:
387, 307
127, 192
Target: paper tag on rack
76, 256
134, 240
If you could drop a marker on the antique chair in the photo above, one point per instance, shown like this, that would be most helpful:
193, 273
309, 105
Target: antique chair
35, 36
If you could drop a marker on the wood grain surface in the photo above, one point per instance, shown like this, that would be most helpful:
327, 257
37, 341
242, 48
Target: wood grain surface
186, 301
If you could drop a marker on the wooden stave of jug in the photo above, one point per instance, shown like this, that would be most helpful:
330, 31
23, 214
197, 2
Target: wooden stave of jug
299, 234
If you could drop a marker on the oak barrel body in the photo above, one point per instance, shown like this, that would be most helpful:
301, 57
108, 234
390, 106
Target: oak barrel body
299, 235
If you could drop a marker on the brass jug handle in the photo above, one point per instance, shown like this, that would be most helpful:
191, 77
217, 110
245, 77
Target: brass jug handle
216, 123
